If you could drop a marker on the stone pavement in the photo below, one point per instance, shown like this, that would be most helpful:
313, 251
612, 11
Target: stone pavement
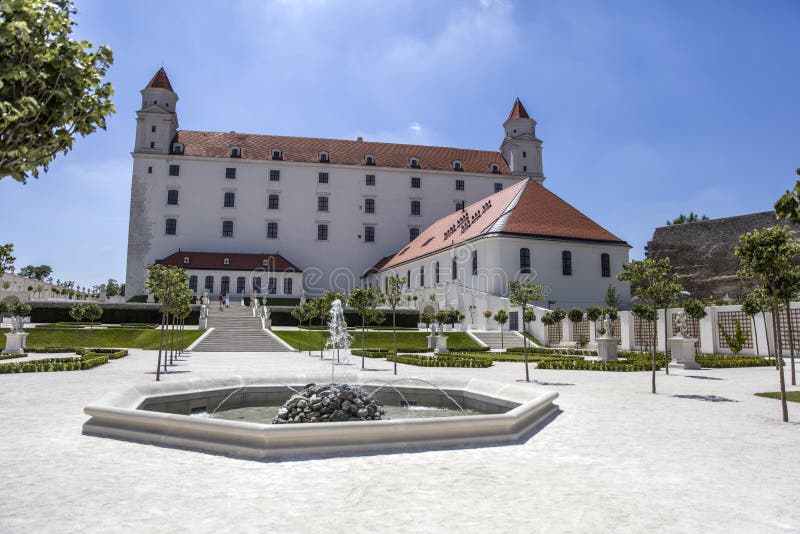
702, 455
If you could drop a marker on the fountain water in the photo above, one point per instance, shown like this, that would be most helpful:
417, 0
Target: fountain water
338, 338
240, 388
391, 382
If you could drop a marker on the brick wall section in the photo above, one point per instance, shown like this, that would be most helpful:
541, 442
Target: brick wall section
702, 252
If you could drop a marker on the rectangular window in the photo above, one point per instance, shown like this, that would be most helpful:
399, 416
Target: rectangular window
322, 232
369, 234
454, 270
272, 230
459, 205
153, 128
566, 263
230, 173
274, 202
171, 227
369, 205
413, 233
416, 183
322, 203
287, 286
274, 175
498, 187
436, 272
240, 284
227, 228
149, 170
257, 285
272, 285
172, 197
209, 284
323, 177
459, 185
370, 180
605, 265
229, 200
225, 285
174, 170
422, 276
193, 283
416, 207
474, 262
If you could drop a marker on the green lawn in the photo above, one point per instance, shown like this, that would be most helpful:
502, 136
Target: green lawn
373, 340
792, 396
129, 338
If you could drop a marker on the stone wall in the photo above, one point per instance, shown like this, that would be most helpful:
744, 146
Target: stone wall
703, 252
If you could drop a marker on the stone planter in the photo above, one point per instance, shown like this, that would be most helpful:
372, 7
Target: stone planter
606, 348
15, 342
682, 349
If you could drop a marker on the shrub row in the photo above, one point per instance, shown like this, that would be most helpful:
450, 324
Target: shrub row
733, 361
499, 357
445, 360
11, 356
578, 364
115, 315
87, 360
53, 350
370, 353
552, 351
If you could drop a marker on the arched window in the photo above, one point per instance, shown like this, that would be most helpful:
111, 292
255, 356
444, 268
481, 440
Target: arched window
436, 272
422, 276
474, 262
605, 265
566, 263
525, 260
454, 270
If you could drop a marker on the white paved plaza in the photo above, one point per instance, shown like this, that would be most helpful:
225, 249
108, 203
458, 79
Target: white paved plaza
704, 455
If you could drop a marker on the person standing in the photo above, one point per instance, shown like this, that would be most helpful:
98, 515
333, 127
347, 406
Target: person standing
221, 301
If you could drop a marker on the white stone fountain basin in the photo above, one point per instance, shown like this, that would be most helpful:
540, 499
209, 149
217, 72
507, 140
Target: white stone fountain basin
512, 414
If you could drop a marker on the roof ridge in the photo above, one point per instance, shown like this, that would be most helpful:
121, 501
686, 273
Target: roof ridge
160, 80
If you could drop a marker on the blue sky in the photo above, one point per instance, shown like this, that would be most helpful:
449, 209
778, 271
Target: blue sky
646, 109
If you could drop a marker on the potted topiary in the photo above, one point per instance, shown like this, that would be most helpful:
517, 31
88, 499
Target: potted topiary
15, 339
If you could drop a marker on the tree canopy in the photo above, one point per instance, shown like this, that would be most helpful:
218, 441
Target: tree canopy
51, 85
692, 217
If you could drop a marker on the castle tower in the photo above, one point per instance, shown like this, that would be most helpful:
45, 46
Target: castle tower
156, 121
521, 149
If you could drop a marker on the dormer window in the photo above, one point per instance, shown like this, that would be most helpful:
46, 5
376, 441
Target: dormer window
226, 261
414, 162
277, 154
236, 152
186, 260
323, 157
495, 168
177, 148
265, 263
457, 166
369, 159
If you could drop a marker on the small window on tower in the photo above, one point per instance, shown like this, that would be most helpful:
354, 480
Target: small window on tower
152, 144
323, 157
495, 168
153, 128
414, 162
177, 148
277, 154
226, 261
186, 260
149, 170
457, 166
235, 152
369, 160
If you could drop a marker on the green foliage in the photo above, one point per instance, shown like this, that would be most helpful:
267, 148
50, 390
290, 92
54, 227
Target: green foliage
558, 315
501, 317
39, 272
92, 312
692, 217
644, 312
695, 309
755, 302
427, 319
87, 360
528, 315
76, 312
139, 316
788, 206
487, 314
114, 288
722, 361
593, 313
737, 340
575, 315
51, 85
652, 281
584, 365
137, 338
7, 258
446, 360
11, 356
767, 255
612, 300
522, 293
406, 341
791, 396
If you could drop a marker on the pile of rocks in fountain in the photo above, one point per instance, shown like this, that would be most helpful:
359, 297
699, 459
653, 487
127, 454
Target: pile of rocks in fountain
330, 403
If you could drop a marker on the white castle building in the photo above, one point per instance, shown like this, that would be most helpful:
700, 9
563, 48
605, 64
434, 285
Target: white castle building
291, 216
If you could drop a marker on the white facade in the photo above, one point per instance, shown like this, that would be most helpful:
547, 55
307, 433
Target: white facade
199, 213
246, 283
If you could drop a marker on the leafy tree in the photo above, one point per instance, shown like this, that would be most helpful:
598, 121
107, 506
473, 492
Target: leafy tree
788, 288
365, 302
487, 314
302, 312
612, 299
736, 340
51, 85
696, 309
521, 294
427, 319
170, 287
788, 206
76, 313
692, 217
594, 313
394, 292
92, 312
502, 318
6, 258
756, 302
767, 255
113, 288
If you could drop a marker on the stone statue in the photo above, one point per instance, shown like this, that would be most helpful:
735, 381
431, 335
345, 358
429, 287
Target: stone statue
203, 311
16, 324
608, 326
267, 312
680, 321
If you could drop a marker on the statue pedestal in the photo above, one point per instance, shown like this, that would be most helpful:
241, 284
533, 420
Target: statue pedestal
606, 348
682, 349
15, 342
204, 323
431, 341
437, 343
268, 324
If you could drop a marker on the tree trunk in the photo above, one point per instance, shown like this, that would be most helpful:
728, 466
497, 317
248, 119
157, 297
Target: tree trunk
666, 346
655, 353
160, 345
791, 341
363, 327
755, 334
394, 339
166, 340
779, 359
525, 343
766, 334
308, 335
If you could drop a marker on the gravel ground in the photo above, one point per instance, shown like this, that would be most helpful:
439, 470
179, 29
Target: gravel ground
704, 455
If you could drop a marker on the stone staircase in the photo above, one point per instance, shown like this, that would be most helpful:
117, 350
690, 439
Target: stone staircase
236, 330
492, 338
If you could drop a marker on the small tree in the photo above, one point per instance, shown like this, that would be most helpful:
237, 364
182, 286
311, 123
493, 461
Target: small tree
427, 319
737, 340
612, 299
523, 293
92, 312
593, 314
754, 303
501, 317
695, 309
487, 314
300, 312
394, 292
7, 258
471, 308
575, 316
767, 255
76, 313
364, 301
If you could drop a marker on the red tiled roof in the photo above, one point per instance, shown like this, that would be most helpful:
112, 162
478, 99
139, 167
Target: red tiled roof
340, 151
518, 111
160, 81
237, 261
536, 213
378, 266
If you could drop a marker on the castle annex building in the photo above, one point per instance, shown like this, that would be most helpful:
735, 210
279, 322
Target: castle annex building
289, 216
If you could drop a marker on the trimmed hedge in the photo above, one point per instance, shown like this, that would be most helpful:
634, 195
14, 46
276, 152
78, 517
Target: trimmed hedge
552, 351
11, 356
370, 353
115, 315
53, 350
444, 360
87, 360
577, 364
733, 361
